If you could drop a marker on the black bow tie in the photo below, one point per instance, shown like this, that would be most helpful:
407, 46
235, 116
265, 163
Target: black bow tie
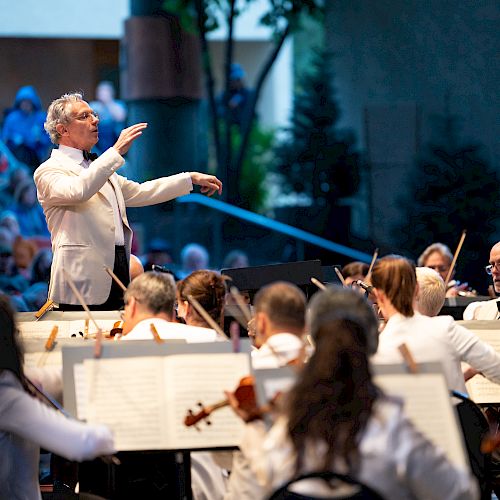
87, 155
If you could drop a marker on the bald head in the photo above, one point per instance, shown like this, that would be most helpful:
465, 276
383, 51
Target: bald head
495, 262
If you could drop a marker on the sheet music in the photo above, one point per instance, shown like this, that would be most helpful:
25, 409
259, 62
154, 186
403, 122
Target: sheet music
43, 358
80, 391
145, 399
428, 406
192, 378
480, 389
42, 329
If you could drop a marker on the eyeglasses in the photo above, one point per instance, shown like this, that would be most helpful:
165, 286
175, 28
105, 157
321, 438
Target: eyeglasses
86, 115
489, 268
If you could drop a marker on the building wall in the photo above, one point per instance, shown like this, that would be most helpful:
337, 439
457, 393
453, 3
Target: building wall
416, 57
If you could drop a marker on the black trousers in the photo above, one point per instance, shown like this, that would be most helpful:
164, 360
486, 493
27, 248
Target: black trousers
115, 299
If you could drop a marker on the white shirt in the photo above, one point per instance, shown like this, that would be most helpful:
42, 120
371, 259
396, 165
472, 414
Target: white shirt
169, 330
26, 425
484, 310
395, 459
438, 339
278, 350
107, 189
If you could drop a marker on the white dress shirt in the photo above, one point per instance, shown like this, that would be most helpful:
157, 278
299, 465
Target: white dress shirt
438, 339
395, 459
484, 310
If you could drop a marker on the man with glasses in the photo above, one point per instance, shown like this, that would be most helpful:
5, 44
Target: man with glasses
85, 200
488, 309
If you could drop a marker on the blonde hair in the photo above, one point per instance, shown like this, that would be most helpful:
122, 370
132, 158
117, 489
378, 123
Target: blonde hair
431, 291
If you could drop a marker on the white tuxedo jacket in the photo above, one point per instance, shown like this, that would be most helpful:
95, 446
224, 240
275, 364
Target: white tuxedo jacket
80, 218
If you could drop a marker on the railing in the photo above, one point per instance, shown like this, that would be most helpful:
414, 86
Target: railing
299, 235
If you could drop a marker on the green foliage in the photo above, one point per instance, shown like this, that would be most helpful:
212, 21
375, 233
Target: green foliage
453, 189
316, 159
256, 164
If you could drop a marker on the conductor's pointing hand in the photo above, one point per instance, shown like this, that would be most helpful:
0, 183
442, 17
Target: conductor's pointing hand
128, 136
209, 183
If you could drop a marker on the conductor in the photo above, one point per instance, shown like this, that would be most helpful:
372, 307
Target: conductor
85, 200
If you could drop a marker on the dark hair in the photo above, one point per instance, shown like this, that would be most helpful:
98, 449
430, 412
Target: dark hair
209, 289
333, 398
396, 277
284, 304
11, 354
354, 268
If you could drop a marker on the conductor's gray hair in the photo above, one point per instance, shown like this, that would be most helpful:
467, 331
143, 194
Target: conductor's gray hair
60, 112
431, 291
154, 291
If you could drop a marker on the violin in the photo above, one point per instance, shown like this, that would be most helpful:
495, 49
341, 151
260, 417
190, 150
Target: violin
245, 395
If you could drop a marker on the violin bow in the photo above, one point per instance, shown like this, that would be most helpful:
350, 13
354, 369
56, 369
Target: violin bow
98, 338
240, 301
318, 283
201, 311
117, 280
339, 275
455, 257
408, 358
372, 263
49, 345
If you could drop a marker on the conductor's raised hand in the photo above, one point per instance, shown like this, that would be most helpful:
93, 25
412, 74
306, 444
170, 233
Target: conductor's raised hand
128, 136
209, 183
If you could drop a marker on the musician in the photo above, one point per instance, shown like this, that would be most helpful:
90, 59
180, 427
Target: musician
336, 419
439, 257
428, 339
431, 292
354, 271
85, 202
150, 300
280, 322
488, 309
26, 424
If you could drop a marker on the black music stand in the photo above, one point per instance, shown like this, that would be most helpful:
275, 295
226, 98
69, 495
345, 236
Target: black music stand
252, 279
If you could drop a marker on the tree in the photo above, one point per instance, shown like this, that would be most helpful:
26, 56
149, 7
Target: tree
316, 158
454, 189
283, 18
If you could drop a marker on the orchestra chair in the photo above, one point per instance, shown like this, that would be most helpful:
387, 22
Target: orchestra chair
341, 486
475, 427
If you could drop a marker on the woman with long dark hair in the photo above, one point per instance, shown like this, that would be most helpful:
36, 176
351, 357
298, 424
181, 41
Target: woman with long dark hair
26, 424
429, 339
336, 419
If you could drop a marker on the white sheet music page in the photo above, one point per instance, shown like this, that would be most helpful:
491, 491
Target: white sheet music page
127, 395
194, 378
42, 329
428, 405
480, 389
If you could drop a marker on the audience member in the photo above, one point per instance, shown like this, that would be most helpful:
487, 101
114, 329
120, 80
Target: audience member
11, 282
24, 251
23, 128
193, 258
8, 220
28, 211
112, 115
16, 177
235, 259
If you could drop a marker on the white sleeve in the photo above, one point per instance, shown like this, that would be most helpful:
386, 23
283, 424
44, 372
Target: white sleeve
25, 416
475, 352
56, 188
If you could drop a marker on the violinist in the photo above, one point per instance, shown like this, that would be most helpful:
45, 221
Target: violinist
431, 292
428, 339
85, 200
488, 310
26, 424
280, 322
150, 300
439, 257
336, 419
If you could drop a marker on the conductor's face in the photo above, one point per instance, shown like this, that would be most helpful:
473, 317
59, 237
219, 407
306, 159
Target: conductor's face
81, 132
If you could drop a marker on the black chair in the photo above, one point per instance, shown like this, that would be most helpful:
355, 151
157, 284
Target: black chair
475, 427
342, 486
